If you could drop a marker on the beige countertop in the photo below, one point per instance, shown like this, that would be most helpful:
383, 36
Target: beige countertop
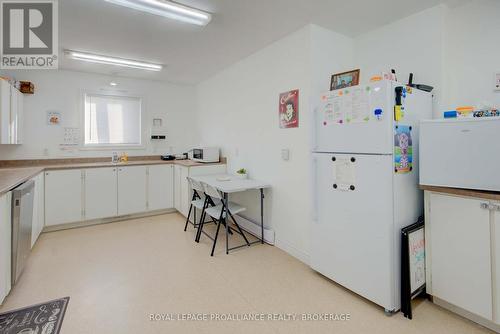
489, 195
11, 177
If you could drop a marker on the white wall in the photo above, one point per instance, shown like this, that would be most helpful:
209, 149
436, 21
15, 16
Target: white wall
238, 111
453, 49
62, 91
473, 53
412, 44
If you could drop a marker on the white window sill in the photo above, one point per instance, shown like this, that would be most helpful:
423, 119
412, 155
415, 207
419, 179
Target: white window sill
111, 148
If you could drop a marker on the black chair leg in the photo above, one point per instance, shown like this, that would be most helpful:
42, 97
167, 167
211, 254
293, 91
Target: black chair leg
187, 219
202, 221
194, 217
239, 229
200, 228
215, 239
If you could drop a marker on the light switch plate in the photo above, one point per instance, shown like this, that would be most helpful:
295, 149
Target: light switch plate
497, 81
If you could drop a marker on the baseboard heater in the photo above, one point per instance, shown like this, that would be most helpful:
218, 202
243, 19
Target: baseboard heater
254, 228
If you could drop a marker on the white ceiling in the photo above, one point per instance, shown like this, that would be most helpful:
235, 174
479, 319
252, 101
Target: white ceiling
191, 53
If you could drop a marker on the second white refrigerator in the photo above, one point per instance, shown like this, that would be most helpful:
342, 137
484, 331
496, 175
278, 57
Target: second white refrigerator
365, 160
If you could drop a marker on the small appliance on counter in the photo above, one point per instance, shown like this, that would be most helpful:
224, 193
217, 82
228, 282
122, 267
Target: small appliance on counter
168, 157
204, 154
182, 156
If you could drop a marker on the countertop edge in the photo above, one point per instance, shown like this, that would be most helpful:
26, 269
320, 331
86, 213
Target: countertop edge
489, 195
28, 172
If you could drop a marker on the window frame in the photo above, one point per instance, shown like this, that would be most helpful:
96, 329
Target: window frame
104, 147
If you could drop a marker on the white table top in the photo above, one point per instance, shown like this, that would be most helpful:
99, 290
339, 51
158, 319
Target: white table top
233, 185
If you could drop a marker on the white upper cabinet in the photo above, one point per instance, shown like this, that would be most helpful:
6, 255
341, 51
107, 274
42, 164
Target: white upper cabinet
4, 112
160, 187
11, 114
101, 197
132, 182
16, 116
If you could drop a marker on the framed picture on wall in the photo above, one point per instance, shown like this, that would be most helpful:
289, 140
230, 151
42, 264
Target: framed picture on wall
344, 80
289, 109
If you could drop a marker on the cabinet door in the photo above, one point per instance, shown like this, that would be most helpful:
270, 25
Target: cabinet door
101, 196
38, 209
185, 191
177, 188
5, 245
63, 196
15, 115
496, 261
18, 130
160, 187
131, 190
460, 251
4, 112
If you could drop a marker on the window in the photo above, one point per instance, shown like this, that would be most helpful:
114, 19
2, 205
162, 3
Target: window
112, 120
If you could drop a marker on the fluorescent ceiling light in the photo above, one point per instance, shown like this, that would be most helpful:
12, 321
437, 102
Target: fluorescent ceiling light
100, 59
167, 9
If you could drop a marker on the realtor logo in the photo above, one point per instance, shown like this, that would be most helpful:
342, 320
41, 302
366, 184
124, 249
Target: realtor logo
29, 36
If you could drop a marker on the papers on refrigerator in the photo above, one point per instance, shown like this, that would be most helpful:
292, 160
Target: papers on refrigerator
344, 173
346, 106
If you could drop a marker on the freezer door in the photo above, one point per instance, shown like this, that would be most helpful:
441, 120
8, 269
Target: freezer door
460, 153
356, 119
352, 237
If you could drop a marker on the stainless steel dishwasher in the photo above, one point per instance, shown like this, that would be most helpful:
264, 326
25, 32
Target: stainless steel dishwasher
22, 218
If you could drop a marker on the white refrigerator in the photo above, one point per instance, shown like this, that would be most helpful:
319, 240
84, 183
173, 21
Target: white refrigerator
365, 166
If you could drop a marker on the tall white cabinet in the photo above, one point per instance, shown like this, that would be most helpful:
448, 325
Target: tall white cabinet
463, 254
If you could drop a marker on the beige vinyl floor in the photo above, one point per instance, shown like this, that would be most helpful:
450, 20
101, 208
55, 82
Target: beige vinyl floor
118, 274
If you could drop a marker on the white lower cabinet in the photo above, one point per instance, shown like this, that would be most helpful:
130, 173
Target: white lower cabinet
95, 193
496, 262
461, 260
38, 208
463, 253
177, 187
160, 187
182, 190
101, 194
63, 196
5, 245
132, 197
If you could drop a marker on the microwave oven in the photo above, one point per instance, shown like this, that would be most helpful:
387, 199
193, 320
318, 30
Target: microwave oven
204, 154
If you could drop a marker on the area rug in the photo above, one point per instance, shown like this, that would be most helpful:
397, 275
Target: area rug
44, 318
